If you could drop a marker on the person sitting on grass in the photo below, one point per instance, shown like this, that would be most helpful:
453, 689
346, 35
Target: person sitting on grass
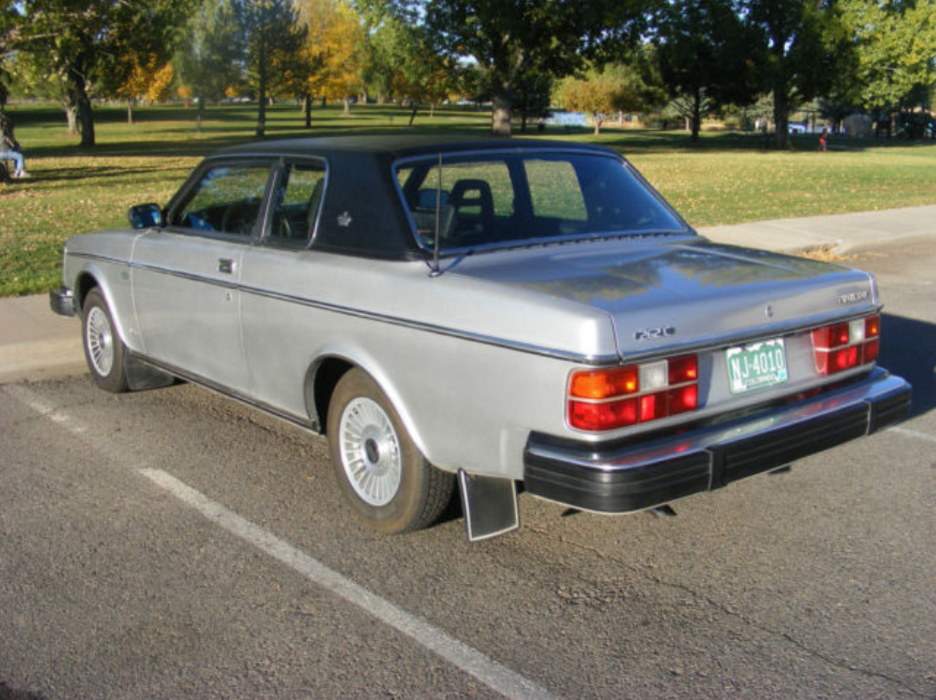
10, 148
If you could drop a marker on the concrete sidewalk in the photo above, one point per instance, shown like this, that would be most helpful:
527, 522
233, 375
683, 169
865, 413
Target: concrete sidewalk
839, 233
37, 344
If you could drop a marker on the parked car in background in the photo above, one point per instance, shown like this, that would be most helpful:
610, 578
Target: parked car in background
490, 314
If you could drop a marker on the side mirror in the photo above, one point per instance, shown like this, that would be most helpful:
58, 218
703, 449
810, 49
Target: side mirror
145, 216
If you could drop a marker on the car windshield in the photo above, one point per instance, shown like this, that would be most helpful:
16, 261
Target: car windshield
511, 199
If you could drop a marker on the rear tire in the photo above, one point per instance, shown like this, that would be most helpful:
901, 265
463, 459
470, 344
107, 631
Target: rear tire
105, 352
382, 474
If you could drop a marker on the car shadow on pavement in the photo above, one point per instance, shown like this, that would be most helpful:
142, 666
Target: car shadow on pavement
908, 349
7, 693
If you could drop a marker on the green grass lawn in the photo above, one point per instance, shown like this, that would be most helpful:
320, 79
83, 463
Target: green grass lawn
727, 178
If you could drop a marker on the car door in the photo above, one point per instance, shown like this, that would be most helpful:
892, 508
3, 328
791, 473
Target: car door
186, 276
280, 276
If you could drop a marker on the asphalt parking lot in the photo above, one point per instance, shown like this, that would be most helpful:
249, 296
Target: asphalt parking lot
173, 544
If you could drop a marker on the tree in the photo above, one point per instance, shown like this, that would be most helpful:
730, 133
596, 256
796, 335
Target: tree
9, 32
895, 46
617, 88
805, 47
212, 52
75, 42
704, 51
508, 38
381, 28
336, 41
274, 35
532, 96
146, 79
418, 75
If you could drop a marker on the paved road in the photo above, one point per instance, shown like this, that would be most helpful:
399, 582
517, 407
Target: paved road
172, 544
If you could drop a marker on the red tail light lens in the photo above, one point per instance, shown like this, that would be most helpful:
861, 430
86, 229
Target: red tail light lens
844, 346
601, 400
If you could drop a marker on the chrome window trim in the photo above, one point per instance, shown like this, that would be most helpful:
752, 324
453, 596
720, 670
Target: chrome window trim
281, 164
182, 196
687, 230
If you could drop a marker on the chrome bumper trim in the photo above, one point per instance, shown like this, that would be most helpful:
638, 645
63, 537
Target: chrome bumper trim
62, 301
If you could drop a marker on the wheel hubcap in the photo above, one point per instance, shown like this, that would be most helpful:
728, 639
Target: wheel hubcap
370, 452
100, 339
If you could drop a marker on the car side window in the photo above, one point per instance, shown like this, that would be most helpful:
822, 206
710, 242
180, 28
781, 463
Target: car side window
550, 193
476, 201
298, 199
227, 199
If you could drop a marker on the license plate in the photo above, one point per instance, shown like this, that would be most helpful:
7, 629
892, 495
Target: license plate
756, 366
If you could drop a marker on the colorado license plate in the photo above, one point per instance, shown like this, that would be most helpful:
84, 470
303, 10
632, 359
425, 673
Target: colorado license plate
756, 366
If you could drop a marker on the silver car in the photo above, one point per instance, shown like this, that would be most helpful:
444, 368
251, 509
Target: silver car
496, 314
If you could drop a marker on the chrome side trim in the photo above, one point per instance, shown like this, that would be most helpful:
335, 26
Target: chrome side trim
607, 360
187, 275
596, 360
98, 258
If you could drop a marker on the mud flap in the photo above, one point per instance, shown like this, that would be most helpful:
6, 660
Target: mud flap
489, 505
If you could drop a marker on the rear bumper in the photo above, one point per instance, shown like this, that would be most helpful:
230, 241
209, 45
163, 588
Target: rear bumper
62, 301
623, 478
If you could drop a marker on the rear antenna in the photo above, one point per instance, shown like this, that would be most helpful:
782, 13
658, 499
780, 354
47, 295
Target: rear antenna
436, 270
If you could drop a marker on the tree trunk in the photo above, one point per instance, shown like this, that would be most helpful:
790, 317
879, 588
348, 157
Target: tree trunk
598, 120
201, 112
261, 105
85, 120
130, 112
347, 106
307, 109
71, 116
696, 120
781, 116
500, 116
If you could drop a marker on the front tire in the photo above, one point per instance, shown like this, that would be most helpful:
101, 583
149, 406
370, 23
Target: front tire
105, 352
382, 474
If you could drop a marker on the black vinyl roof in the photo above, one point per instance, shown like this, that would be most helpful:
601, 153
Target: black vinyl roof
398, 146
362, 211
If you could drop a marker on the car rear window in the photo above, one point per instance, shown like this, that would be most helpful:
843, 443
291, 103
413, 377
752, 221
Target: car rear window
510, 199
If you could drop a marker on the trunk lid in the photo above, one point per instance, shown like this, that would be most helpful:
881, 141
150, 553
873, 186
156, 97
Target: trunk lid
661, 296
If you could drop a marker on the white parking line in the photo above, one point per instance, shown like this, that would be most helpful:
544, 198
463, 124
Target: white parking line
489, 672
468, 659
25, 395
914, 434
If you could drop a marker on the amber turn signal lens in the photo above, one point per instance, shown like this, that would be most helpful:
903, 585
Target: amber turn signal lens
603, 384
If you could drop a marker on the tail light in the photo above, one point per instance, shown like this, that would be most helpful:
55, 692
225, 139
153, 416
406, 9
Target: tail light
608, 399
842, 346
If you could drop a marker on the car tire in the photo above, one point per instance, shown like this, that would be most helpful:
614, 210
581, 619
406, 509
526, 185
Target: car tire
104, 350
381, 472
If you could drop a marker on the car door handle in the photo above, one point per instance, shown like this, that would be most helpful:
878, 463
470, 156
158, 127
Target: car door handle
226, 266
